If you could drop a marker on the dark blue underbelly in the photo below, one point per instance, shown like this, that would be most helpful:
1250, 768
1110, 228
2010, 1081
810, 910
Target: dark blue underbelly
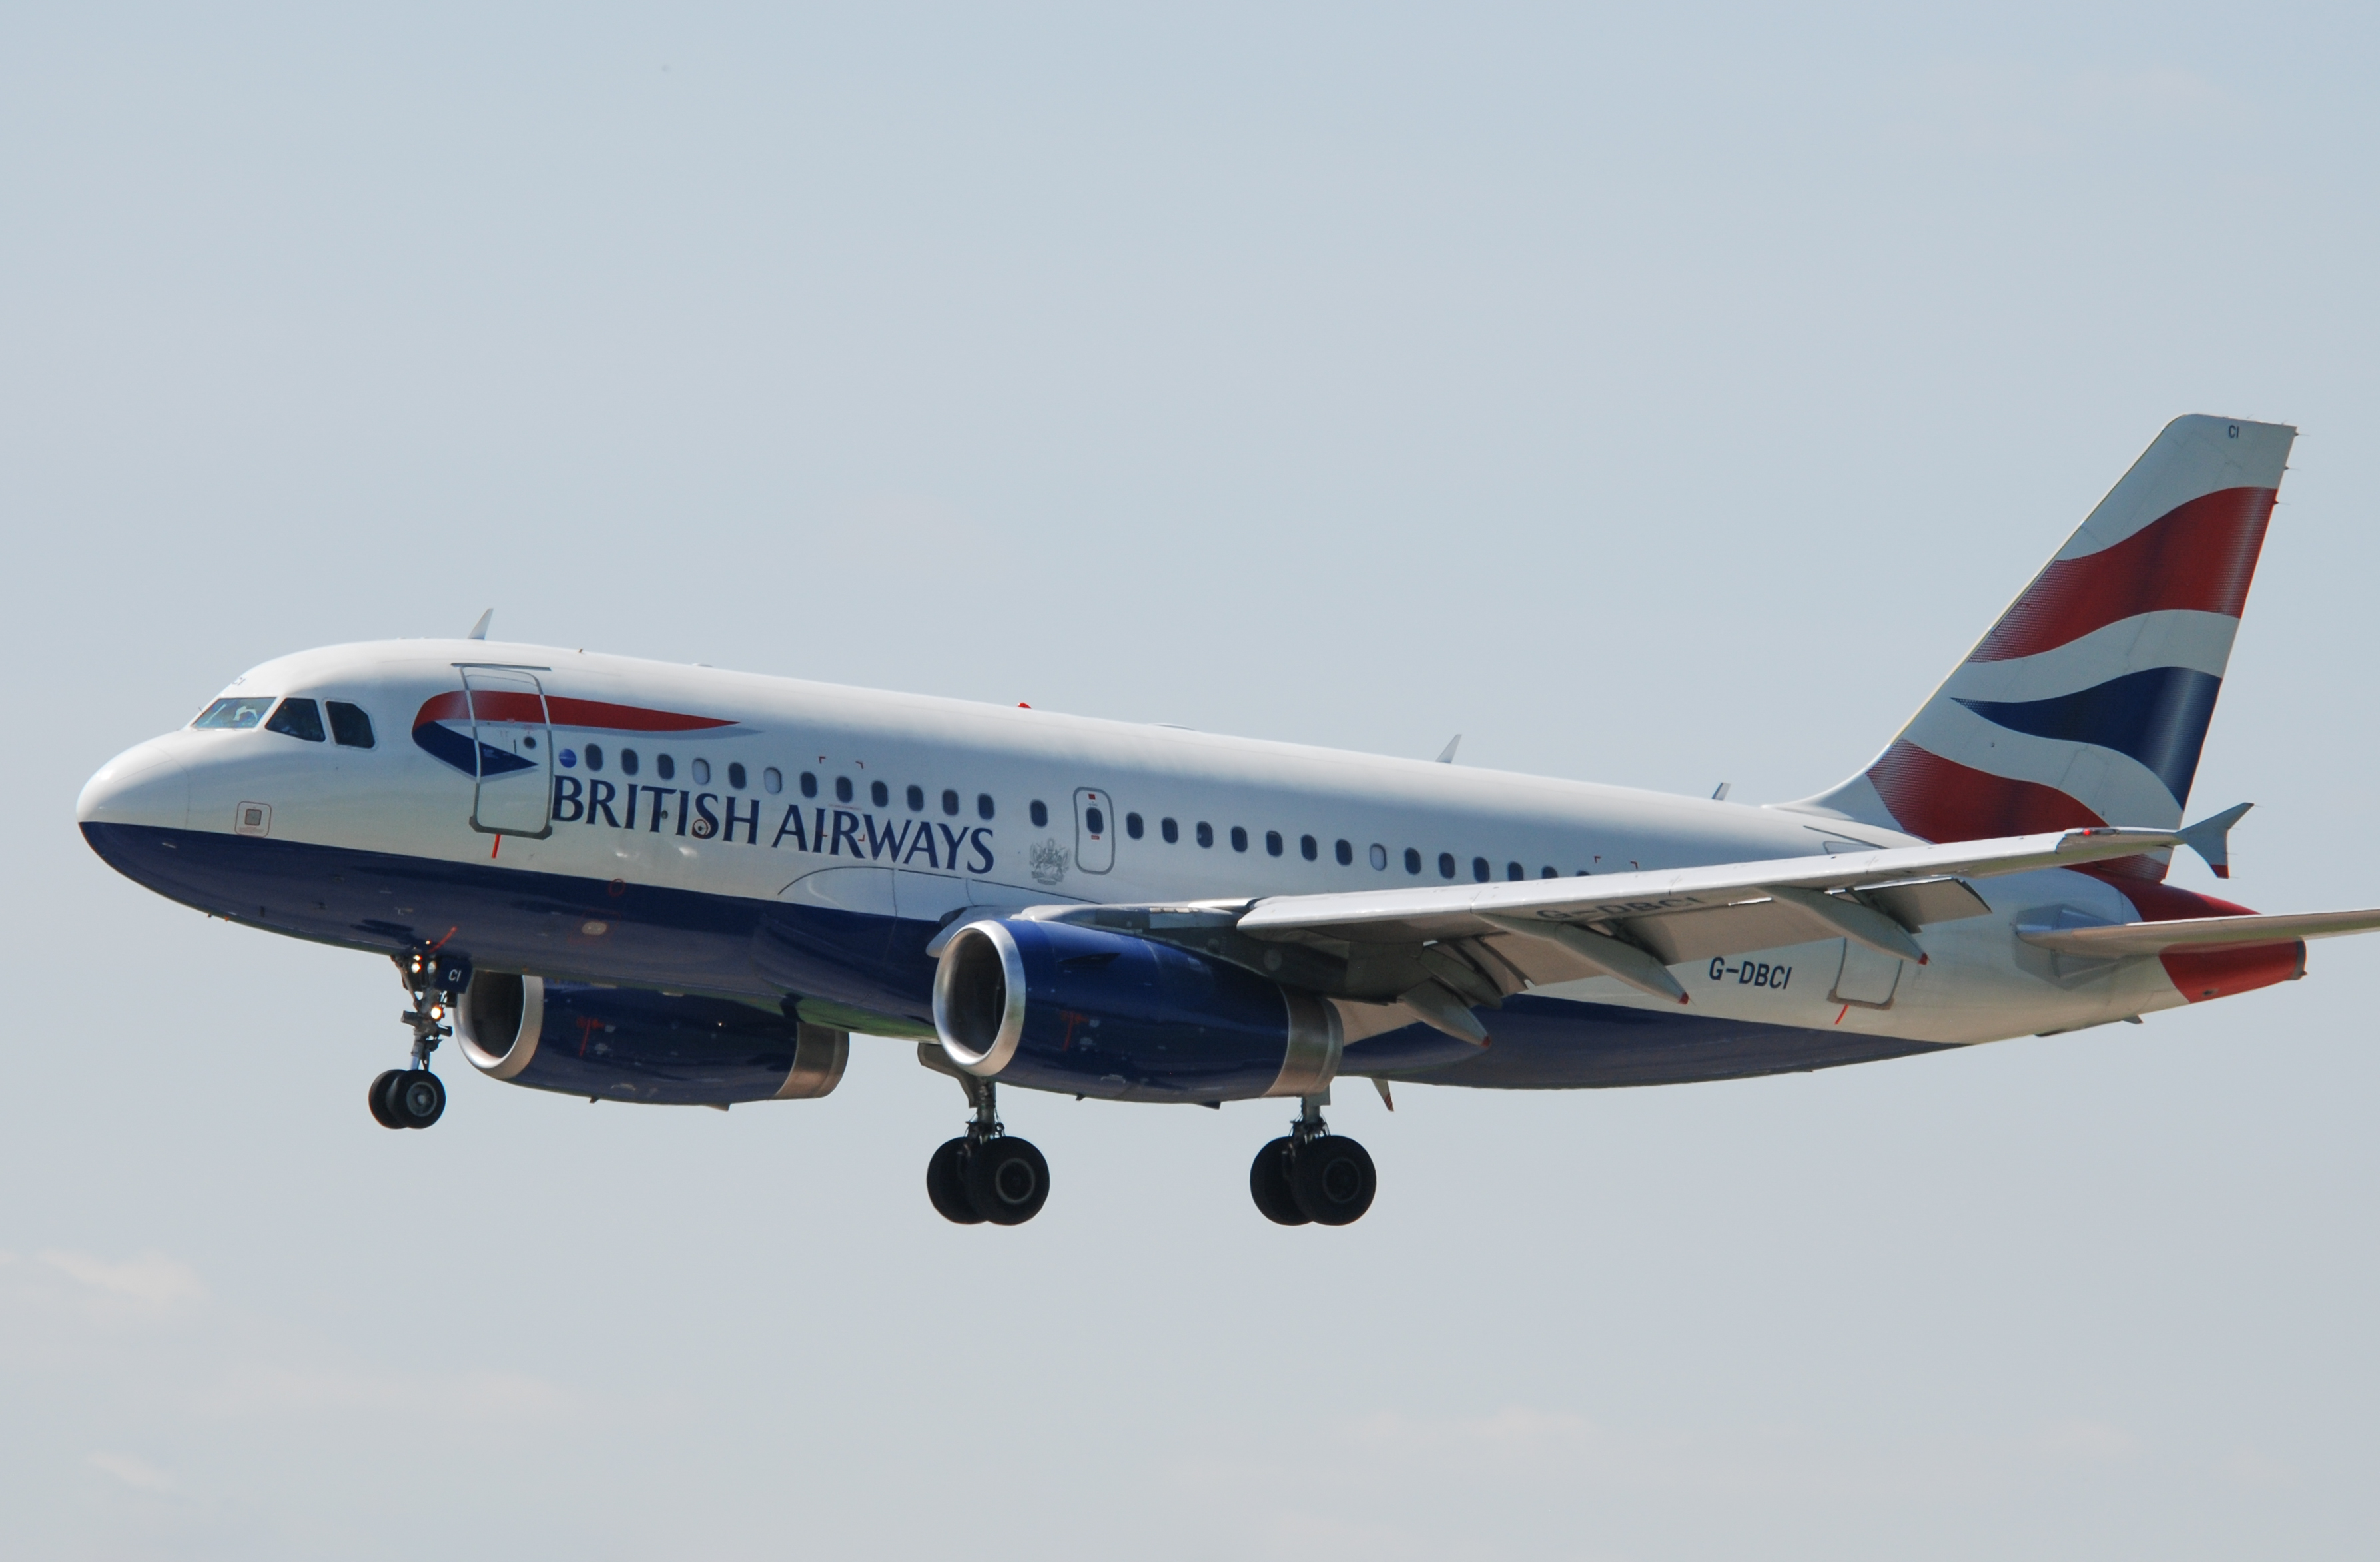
632, 935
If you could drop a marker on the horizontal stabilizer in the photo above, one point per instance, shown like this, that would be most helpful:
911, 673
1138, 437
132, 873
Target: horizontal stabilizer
2211, 837
2200, 933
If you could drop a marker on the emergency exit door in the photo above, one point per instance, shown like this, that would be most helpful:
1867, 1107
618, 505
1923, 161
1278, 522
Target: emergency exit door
1095, 828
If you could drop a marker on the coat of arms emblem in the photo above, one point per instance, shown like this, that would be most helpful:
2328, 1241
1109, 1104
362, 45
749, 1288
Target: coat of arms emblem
1049, 862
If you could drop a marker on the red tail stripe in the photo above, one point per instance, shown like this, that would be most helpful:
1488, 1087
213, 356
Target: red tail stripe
504, 705
2198, 556
1940, 799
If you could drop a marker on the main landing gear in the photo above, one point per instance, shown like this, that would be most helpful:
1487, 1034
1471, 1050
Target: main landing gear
1312, 1174
985, 1174
414, 1097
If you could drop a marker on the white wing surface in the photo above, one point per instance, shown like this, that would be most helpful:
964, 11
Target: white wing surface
1436, 951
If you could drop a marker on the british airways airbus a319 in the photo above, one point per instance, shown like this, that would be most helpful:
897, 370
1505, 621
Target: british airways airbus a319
630, 881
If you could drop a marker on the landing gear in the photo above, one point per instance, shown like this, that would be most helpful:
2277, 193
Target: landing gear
414, 1097
407, 1098
1312, 1174
987, 1175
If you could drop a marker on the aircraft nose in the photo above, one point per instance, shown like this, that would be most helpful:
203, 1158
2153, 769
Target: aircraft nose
143, 785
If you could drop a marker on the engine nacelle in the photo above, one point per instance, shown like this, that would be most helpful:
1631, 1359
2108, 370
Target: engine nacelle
619, 1043
1053, 1006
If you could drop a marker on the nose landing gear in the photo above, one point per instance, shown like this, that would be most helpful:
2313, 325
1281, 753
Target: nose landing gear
986, 1174
1312, 1174
414, 1097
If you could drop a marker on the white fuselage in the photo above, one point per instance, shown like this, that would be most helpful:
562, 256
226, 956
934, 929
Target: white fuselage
916, 807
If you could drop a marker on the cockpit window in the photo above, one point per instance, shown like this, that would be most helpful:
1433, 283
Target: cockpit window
245, 711
297, 718
349, 723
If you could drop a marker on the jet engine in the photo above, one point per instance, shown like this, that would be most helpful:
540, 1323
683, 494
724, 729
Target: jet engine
619, 1043
1053, 1006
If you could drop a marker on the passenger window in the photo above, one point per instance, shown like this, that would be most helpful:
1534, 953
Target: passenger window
949, 801
1513, 873
1239, 838
917, 799
809, 784
663, 767
1040, 814
735, 776
1306, 844
1344, 852
1446, 864
297, 718
842, 789
239, 714
628, 761
1096, 821
983, 809
771, 780
1548, 873
879, 794
700, 770
1168, 829
1272, 844
594, 756
1413, 860
1131, 826
1206, 834
1479, 870
350, 726
1379, 857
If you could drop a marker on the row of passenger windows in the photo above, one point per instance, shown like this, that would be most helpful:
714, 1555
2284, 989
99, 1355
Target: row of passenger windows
1311, 850
772, 781
301, 719
295, 718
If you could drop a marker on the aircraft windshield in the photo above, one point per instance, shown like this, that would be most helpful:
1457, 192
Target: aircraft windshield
247, 710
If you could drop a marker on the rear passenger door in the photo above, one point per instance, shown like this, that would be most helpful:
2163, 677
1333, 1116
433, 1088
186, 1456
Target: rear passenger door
514, 747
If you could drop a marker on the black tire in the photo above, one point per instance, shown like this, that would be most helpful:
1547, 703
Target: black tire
1332, 1180
946, 1184
378, 1097
1268, 1184
1007, 1180
416, 1098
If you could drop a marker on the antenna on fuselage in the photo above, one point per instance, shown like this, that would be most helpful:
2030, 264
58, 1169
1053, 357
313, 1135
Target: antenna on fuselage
1446, 757
479, 630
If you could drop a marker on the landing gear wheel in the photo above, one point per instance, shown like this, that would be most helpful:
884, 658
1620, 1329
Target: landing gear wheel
415, 1099
1268, 1184
946, 1184
378, 1097
1007, 1180
1331, 1178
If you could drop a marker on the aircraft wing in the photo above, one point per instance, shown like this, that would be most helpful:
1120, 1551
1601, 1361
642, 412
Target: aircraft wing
1436, 951
1458, 910
2199, 932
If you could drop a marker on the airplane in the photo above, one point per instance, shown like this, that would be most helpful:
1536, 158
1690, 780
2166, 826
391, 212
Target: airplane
635, 881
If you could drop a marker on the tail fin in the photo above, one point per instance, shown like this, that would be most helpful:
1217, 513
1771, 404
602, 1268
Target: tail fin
2088, 702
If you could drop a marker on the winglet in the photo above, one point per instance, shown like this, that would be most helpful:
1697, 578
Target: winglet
2211, 838
479, 630
1445, 756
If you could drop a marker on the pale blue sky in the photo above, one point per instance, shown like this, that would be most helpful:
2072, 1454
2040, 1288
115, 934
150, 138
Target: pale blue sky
1661, 396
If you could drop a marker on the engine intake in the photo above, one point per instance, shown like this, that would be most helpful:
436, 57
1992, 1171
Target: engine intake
621, 1044
1053, 1006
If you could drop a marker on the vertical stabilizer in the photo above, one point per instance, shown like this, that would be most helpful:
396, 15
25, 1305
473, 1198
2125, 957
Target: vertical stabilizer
2088, 702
